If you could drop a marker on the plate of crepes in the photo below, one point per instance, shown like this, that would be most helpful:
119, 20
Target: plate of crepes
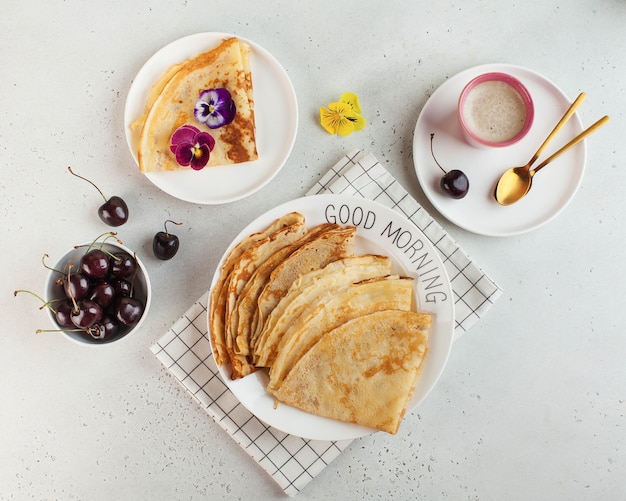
330, 317
211, 118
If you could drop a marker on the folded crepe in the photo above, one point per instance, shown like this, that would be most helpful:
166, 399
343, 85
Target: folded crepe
309, 287
172, 100
240, 275
363, 371
219, 293
331, 245
334, 308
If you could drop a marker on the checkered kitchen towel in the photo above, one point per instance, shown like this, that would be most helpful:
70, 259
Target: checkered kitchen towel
185, 350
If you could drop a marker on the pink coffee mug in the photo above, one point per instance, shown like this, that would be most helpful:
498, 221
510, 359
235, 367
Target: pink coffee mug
495, 110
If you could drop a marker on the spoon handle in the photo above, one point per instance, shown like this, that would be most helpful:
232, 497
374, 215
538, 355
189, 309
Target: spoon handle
568, 114
588, 131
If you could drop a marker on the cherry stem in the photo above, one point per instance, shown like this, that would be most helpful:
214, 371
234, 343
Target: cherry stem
169, 221
69, 272
90, 182
432, 135
43, 261
39, 331
46, 304
109, 234
132, 282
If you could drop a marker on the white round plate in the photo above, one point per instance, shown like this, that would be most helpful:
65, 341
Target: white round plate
382, 231
275, 112
553, 187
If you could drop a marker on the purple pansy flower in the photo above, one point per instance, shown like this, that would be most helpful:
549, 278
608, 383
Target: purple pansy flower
215, 108
191, 146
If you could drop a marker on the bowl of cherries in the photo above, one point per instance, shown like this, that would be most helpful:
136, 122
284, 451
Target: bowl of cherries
98, 293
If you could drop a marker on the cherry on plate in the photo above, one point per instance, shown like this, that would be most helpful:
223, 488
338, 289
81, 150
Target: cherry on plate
454, 183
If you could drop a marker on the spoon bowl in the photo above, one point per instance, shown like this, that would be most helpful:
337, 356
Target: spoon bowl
516, 182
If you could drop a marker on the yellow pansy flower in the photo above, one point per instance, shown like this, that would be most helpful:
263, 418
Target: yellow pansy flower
342, 117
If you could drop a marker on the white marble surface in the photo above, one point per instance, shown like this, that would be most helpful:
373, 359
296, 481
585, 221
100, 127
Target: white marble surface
532, 404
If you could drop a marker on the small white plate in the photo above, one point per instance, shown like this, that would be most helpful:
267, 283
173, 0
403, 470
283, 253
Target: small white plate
553, 187
383, 231
275, 112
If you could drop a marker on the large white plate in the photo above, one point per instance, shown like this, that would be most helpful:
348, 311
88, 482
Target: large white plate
382, 231
275, 112
553, 188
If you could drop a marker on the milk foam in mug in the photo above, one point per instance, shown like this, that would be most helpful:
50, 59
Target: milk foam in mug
495, 109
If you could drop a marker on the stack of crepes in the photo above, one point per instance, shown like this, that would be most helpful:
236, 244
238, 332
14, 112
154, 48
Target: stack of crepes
172, 100
338, 332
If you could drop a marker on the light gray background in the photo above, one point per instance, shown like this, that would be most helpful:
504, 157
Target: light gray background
532, 403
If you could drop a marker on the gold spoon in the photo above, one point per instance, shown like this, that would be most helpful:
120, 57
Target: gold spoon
518, 179
509, 181
516, 182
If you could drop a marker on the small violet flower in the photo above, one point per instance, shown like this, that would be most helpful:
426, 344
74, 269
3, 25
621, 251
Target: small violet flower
191, 146
343, 117
215, 108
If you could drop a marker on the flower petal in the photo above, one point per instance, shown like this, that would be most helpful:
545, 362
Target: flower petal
329, 120
202, 111
184, 134
205, 138
352, 99
215, 108
358, 121
342, 108
339, 118
345, 127
200, 157
184, 154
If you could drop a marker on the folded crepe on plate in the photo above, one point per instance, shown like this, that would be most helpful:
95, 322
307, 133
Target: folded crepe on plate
308, 288
363, 371
173, 99
218, 297
246, 267
332, 309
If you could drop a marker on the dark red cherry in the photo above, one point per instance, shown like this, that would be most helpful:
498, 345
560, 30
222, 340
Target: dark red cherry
107, 328
164, 244
122, 287
129, 310
123, 265
454, 183
103, 293
95, 263
77, 286
63, 313
113, 211
86, 314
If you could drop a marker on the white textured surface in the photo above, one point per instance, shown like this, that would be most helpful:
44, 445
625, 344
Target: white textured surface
532, 403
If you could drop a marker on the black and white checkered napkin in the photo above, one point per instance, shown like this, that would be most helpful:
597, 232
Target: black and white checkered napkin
185, 350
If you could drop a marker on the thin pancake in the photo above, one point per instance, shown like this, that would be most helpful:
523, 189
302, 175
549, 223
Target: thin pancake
243, 320
336, 308
217, 300
328, 247
241, 272
362, 372
226, 66
307, 290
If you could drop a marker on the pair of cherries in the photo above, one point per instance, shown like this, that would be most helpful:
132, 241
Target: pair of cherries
114, 212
